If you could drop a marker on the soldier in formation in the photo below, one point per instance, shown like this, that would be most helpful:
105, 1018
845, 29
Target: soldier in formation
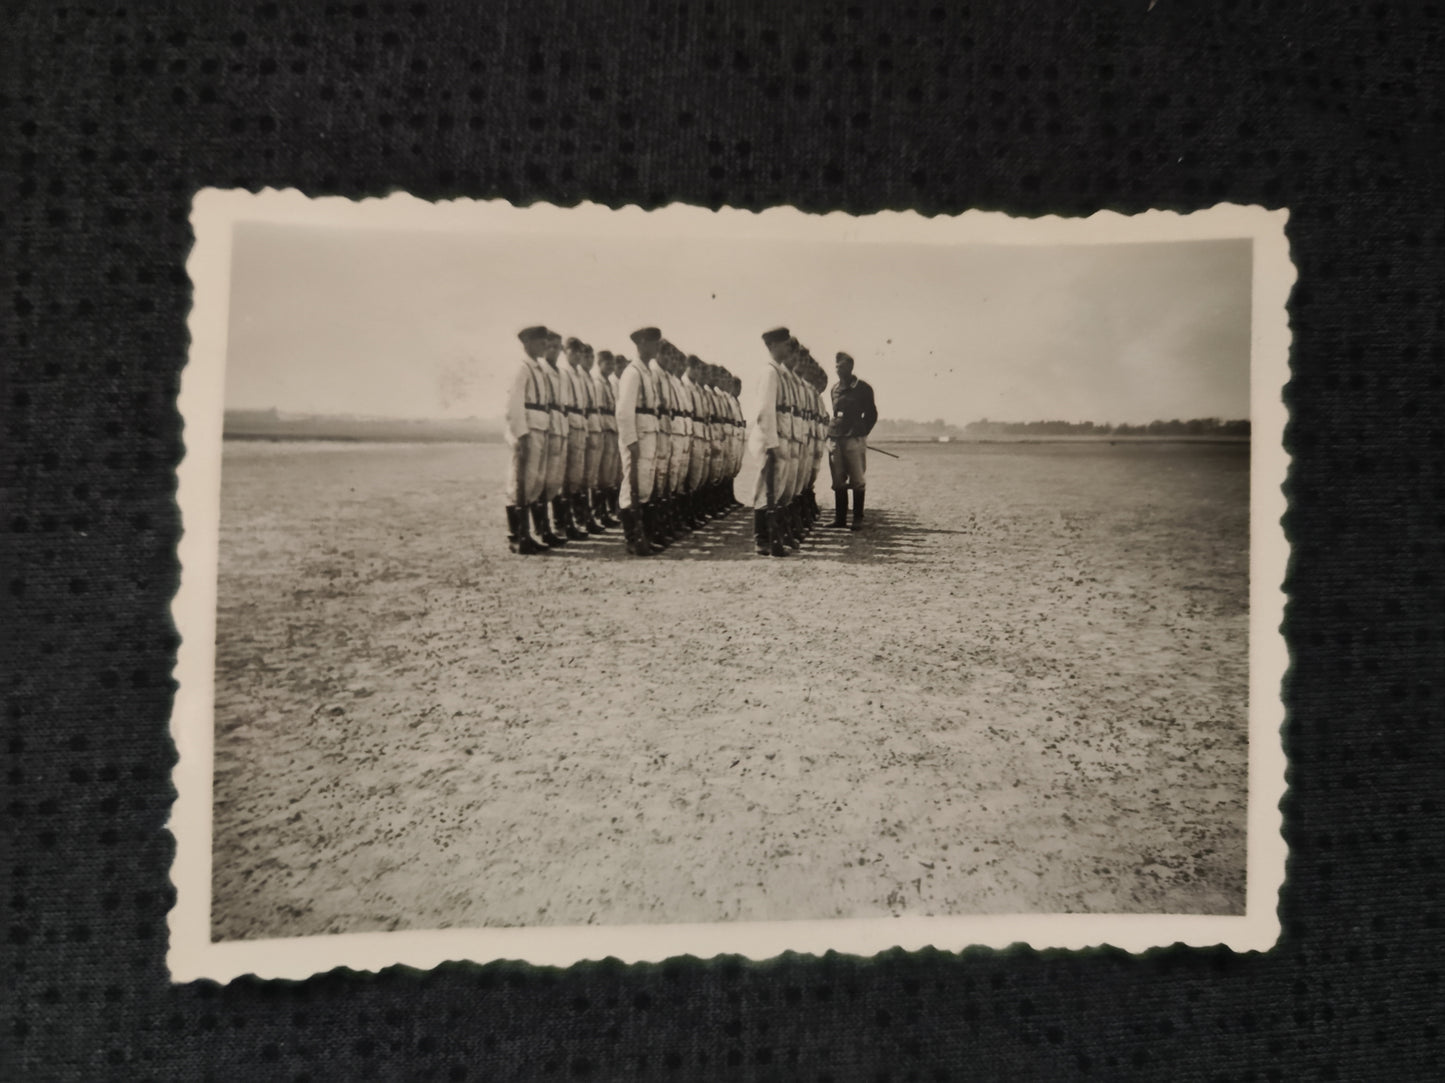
657, 440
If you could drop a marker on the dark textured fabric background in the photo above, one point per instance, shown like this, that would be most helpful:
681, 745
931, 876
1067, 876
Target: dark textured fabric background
111, 116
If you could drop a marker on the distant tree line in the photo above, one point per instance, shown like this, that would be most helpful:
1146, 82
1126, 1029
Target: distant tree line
1197, 426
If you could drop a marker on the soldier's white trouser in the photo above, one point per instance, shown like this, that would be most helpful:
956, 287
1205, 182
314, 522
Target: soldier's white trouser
698, 463
768, 488
528, 469
592, 468
555, 472
681, 464
639, 475
576, 476
662, 462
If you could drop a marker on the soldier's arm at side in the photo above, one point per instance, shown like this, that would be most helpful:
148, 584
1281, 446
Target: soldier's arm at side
870, 410
627, 389
517, 428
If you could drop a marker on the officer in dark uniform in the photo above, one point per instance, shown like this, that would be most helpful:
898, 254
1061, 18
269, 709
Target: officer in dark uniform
854, 415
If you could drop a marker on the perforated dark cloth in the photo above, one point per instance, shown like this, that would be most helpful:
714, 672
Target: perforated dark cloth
113, 114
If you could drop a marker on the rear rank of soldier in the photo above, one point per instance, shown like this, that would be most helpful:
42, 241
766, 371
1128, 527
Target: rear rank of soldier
651, 444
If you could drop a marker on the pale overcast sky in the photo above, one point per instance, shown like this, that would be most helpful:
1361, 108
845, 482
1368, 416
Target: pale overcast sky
423, 324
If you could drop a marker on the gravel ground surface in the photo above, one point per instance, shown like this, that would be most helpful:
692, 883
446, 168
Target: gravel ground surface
1022, 688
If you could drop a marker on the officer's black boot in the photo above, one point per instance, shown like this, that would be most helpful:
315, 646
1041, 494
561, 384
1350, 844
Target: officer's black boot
792, 524
777, 534
761, 537
519, 538
840, 508
562, 515
857, 509
543, 528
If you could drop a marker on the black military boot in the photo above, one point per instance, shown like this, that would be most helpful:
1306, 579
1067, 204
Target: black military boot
543, 527
519, 538
586, 519
652, 524
637, 543
777, 534
792, 528
760, 531
562, 516
840, 509
857, 509
602, 499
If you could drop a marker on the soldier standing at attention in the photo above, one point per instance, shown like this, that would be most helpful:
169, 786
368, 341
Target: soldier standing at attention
588, 510
790, 438
767, 440
655, 518
556, 458
740, 437
573, 480
608, 461
854, 415
682, 423
700, 453
637, 441
820, 414
527, 422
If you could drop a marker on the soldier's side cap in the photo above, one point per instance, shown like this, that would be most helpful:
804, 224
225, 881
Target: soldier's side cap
574, 343
603, 353
776, 335
694, 359
845, 357
533, 334
646, 334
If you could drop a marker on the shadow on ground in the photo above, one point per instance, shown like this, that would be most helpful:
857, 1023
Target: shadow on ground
888, 536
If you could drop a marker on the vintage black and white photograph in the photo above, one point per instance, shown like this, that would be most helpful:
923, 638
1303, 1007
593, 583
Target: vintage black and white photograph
563, 583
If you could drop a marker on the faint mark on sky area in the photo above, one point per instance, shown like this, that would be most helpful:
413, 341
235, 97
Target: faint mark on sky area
457, 381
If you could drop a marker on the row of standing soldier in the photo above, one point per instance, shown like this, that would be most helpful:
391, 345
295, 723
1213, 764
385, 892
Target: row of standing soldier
655, 441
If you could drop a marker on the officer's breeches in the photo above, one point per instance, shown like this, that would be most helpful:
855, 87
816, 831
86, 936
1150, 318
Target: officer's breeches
848, 461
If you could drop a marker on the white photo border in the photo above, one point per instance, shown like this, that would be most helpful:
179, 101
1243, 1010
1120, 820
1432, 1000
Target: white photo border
192, 955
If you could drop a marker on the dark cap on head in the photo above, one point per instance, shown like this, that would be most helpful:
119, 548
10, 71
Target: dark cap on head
694, 361
603, 353
646, 334
776, 335
845, 357
574, 343
553, 336
533, 334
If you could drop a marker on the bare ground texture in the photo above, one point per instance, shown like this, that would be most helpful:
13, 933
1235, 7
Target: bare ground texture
1023, 688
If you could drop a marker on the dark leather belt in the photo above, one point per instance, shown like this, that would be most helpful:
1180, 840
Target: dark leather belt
536, 406
648, 410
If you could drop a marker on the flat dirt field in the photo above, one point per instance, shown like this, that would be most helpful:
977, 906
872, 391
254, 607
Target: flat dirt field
1022, 689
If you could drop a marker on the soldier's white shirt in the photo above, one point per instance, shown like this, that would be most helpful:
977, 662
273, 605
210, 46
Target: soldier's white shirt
527, 388
763, 427
634, 393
